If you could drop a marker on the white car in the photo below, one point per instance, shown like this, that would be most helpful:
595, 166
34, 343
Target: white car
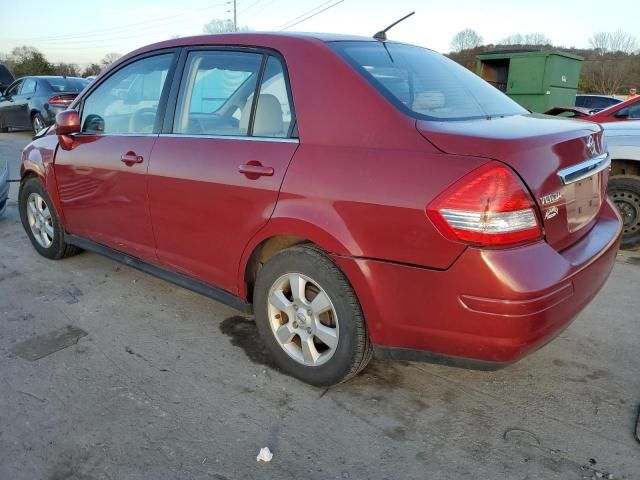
623, 140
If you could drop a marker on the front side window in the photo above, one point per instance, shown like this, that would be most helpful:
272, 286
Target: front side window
634, 111
29, 86
216, 93
127, 101
273, 111
13, 89
425, 84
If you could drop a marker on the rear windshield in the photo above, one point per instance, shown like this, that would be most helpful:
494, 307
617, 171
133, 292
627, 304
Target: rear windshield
425, 84
72, 85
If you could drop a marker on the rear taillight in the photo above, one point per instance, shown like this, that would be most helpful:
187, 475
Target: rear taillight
489, 206
61, 100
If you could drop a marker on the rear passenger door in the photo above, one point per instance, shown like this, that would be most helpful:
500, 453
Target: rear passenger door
8, 105
218, 165
28, 89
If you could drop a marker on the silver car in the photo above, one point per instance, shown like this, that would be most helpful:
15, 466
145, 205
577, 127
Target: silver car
623, 140
4, 185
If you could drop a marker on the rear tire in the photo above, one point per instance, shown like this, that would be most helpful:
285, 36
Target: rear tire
624, 191
41, 221
322, 337
37, 123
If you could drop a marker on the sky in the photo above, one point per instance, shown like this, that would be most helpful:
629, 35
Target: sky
81, 31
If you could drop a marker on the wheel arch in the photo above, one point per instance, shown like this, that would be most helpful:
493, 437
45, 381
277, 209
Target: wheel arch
624, 166
280, 234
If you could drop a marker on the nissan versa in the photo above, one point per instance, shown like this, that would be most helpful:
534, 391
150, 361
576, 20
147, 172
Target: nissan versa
354, 194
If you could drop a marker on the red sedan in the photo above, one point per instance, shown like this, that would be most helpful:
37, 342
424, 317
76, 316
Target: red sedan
351, 193
627, 110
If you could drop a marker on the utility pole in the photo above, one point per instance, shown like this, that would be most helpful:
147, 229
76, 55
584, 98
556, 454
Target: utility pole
235, 18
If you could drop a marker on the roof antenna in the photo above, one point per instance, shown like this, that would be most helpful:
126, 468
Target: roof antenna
382, 34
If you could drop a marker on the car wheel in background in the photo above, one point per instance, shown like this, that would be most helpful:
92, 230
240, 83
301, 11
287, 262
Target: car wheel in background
41, 221
309, 317
37, 122
625, 193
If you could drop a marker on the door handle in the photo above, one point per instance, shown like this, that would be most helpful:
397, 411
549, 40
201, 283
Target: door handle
254, 169
130, 158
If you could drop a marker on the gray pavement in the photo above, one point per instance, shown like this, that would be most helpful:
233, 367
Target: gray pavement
168, 384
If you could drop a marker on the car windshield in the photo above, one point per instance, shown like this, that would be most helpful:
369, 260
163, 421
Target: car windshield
425, 84
72, 85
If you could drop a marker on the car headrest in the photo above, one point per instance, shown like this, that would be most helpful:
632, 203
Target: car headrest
269, 121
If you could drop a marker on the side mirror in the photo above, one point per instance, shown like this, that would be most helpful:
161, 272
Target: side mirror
624, 113
67, 122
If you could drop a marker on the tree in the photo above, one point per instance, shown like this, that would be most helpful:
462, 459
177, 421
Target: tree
218, 25
614, 42
92, 70
465, 40
66, 69
26, 61
108, 59
526, 39
611, 66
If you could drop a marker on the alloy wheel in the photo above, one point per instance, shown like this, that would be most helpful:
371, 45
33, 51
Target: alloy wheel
303, 319
40, 220
38, 124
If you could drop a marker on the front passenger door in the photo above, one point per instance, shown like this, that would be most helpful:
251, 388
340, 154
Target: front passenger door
102, 180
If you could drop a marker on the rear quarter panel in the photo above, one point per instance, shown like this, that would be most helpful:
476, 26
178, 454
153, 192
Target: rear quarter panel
371, 203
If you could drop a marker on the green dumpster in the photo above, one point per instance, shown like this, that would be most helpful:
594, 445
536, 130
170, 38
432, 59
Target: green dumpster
537, 80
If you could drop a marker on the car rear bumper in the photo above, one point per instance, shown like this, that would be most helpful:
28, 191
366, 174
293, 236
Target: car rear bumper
491, 307
49, 113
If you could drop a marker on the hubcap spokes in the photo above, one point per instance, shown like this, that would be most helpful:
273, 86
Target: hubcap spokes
40, 221
303, 319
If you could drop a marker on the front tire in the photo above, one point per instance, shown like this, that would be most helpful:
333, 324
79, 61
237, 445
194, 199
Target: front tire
309, 317
41, 222
625, 193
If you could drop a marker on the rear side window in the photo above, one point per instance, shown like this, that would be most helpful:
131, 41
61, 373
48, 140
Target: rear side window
425, 84
29, 86
216, 93
273, 111
66, 85
127, 101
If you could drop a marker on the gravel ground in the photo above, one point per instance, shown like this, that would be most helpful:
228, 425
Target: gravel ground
167, 384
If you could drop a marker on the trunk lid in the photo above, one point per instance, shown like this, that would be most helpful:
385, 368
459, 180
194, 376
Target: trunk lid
538, 148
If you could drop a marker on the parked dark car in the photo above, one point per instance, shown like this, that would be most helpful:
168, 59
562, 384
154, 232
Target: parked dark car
4, 185
6, 78
352, 193
33, 102
595, 103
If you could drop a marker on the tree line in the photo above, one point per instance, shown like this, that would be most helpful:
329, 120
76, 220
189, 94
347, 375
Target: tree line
611, 65
26, 60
